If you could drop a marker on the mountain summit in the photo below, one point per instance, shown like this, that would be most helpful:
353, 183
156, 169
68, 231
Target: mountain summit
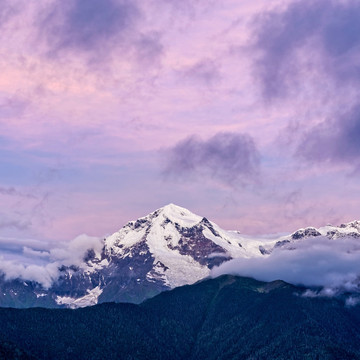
176, 246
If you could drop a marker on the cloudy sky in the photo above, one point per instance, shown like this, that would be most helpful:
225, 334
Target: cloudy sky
246, 112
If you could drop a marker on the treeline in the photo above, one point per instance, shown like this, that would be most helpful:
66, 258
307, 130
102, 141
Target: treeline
223, 318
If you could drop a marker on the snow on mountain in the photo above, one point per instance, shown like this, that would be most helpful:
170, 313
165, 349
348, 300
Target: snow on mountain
91, 298
351, 229
184, 246
168, 248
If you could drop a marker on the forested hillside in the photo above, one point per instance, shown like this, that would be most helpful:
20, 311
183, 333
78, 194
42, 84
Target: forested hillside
224, 318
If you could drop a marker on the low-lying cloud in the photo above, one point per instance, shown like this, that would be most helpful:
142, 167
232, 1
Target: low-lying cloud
318, 261
72, 253
41, 262
228, 157
44, 275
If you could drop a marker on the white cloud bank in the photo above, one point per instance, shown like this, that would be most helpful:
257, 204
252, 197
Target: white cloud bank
43, 265
317, 261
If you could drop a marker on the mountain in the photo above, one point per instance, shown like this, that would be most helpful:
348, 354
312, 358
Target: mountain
224, 318
166, 249
349, 230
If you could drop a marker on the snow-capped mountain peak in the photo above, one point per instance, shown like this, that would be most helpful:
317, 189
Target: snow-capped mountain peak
179, 215
182, 246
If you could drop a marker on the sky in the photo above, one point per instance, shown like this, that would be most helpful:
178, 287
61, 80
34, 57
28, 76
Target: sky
246, 112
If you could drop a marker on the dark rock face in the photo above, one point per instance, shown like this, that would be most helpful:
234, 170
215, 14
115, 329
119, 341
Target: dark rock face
132, 277
305, 233
195, 244
19, 293
335, 234
264, 251
206, 223
355, 225
282, 243
74, 282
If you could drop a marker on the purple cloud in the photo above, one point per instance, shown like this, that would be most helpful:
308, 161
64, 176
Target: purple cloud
228, 157
11, 191
96, 28
334, 140
7, 10
306, 30
88, 24
319, 38
149, 48
206, 72
12, 106
14, 223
